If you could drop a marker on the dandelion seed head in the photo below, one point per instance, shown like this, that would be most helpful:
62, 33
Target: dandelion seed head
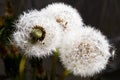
38, 28
65, 15
85, 54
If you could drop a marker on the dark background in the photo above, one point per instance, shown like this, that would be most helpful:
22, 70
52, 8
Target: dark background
102, 14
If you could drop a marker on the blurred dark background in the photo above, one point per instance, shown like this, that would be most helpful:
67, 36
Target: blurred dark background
101, 14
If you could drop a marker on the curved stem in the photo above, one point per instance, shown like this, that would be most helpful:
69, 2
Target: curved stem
22, 67
53, 70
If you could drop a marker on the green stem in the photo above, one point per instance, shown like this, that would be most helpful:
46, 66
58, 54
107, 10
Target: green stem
53, 70
65, 73
22, 67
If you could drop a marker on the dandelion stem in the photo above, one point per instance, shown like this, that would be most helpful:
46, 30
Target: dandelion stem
22, 66
65, 73
53, 70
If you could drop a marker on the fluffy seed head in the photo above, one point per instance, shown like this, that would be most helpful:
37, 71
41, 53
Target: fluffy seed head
86, 53
65, 15
36, 34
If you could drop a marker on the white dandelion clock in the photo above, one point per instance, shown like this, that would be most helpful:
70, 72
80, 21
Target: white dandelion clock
86, 53
66, 16
36, 34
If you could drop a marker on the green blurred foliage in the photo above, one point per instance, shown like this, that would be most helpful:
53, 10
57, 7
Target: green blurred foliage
6, 30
